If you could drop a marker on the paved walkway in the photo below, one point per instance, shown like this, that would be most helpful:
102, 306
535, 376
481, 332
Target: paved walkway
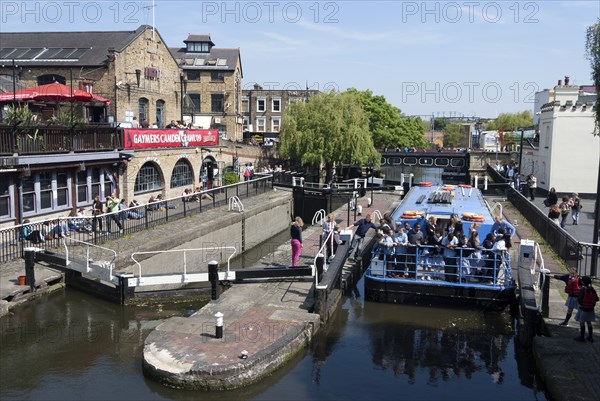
568, 368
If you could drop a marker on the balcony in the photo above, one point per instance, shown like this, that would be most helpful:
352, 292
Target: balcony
52, 139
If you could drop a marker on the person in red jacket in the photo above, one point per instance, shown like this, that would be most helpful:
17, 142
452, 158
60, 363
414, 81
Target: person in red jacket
572, 285
587, 301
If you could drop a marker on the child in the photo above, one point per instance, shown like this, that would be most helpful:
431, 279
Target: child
572, 284
587, 301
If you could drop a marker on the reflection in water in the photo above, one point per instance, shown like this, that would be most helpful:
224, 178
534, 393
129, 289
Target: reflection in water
445, 343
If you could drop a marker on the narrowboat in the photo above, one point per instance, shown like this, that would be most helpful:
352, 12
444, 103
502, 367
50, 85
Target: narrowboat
437, 274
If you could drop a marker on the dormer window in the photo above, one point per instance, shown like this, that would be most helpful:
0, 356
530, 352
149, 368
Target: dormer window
198, 47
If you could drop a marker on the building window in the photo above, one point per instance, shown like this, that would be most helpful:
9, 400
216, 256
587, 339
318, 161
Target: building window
276, 105
216, 103
191, 103
148, 179
6, 192
182, 174
217, 76
261, 104
143, 109
275, 123
246, 123
83, 194
92, 182
198, 47
245, 104
192, 75
46, 191
50, 79
160, 113
260, 124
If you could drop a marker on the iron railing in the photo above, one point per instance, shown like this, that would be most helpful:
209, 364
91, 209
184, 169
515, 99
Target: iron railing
47, 234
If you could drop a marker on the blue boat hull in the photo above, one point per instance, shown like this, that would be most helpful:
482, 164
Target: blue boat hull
427, 293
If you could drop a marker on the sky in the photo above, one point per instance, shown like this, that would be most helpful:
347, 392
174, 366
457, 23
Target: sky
440, 58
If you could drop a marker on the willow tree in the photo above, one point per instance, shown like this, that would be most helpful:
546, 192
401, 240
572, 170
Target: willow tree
328, 129
592, 47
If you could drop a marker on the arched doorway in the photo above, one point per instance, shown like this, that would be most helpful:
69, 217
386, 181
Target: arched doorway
208, 172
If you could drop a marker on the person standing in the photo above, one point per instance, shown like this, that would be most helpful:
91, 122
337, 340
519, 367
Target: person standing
565, 207
415, 240
97, 210
112, 204
450, 242
552, 198
135, 123
500, 223
585, 315
575, 208
532, 184
572, 287
363, 226
296, 235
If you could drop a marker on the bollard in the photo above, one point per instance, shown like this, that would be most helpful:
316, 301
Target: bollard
219, 325
30, 269
320, 262
213, 277
359, 210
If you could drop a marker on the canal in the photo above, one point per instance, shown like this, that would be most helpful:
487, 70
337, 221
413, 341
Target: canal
71, 346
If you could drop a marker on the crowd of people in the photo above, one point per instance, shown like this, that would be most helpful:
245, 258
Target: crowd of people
559, 212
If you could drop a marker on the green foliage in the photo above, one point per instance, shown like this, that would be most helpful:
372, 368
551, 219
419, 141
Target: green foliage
230, 178
20, 114
387, 127
510, 121
439, 124
592, 48
69, 117
452, 133
328, 129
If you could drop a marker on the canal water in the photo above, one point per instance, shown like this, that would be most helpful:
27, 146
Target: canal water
72, 346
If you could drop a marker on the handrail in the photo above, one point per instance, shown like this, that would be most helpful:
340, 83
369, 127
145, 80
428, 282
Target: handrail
541, 279
497, 205
184, 258
87, 253
318, 217
377, 213
234, 202
322, 251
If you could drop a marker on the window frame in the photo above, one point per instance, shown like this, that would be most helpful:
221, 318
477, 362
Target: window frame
217, 76
183, 178
148, 186
273, 102
264, 124
260, 100
273, 119
214, 98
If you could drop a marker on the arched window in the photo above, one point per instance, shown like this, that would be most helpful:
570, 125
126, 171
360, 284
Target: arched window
50, 79
143, 109
160, 113
148, 179
182, 174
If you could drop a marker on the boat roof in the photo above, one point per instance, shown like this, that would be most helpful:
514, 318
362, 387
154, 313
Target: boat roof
442, 201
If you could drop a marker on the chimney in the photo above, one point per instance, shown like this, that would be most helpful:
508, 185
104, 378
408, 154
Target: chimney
566, 81
560, 82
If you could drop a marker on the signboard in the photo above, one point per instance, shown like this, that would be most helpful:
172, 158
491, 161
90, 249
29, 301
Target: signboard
169, 138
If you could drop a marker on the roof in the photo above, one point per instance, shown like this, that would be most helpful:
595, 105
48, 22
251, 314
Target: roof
85, 48
223, 59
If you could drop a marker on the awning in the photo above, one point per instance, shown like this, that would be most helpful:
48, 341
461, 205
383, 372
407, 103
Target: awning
202, 122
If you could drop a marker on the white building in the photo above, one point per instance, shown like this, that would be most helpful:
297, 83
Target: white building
566, 153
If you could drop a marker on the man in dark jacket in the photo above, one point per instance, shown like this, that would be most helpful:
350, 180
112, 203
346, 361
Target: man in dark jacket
363, 226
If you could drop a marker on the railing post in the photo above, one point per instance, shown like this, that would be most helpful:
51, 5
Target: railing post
320, 263
30, 269
146, 213
125, 291
213, 277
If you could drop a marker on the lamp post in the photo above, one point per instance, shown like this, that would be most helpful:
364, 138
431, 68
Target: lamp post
371, 165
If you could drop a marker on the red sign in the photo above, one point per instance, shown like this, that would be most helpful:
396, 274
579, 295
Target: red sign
170, 138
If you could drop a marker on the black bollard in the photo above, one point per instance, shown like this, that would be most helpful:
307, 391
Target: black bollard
213, 277
219, 325
30, 269
320, 262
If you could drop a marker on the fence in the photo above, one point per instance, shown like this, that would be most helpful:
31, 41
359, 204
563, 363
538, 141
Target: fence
576, 254
47, 234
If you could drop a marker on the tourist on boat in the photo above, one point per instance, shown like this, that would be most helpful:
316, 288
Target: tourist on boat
573, 285
430, 227
415, 240
435, 255
450, 242
489, 255
554, 214
296, 239
500, 223
585, 315
387, 217
387, 246
363, 227
400, 243
565, 208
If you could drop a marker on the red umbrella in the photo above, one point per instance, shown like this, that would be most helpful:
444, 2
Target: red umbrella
52, 92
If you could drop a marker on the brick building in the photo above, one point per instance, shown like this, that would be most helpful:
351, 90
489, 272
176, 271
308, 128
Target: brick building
212, 85
134, 69
263, 110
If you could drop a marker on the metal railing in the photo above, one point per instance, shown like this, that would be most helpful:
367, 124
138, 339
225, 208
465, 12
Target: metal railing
46, 234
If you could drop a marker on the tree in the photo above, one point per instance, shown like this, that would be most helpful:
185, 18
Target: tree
386, 125
452, 133
330, 128
592, 47
510, 121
